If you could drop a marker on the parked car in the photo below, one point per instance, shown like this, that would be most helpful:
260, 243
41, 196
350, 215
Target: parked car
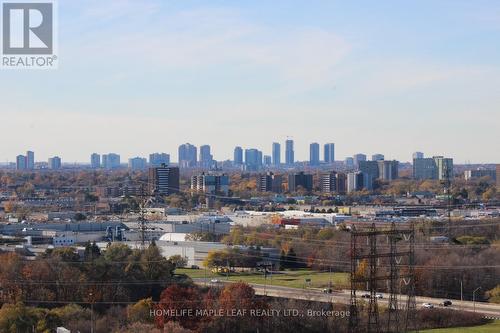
195, 267
214, 281
447, 303
427, 306
379, 296
327, 290
365, 295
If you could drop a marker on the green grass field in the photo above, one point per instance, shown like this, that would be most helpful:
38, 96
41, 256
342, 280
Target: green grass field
493, 327
293, 279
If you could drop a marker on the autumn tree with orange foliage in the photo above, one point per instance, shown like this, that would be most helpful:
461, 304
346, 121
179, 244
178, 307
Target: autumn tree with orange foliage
174, 300
237, 301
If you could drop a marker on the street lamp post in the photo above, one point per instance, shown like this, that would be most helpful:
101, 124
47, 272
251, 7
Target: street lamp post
461, 290
265, 280
474, 297
330, 283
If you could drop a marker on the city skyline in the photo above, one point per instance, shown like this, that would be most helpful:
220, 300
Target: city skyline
372, 78
196, 159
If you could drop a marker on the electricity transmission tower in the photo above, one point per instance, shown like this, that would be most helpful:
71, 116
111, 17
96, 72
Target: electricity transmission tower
447, 190
395, 256
392, 309
145, 201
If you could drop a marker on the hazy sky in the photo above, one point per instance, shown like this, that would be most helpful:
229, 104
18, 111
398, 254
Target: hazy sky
388, 77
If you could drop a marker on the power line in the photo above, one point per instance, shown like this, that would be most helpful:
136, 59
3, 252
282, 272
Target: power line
273, 237
257, 256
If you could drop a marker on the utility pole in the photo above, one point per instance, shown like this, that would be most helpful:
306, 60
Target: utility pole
265, 280
205, 276
461, 290
330, 283
91, 313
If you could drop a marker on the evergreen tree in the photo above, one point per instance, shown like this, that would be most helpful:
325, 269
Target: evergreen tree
92, 251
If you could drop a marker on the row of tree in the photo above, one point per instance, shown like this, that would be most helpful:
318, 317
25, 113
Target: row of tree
120, 274
188, 309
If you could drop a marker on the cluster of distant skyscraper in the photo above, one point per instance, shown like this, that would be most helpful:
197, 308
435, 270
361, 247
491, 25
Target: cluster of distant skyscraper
112, 161
27, 162
254, 159
251, 159
358, 171
188, 156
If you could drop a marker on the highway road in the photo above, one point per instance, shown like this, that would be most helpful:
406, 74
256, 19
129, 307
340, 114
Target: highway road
343, 297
